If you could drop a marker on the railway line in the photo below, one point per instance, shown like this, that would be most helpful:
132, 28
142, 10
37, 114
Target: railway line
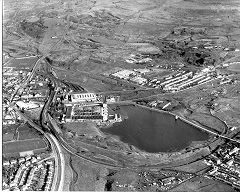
57, 141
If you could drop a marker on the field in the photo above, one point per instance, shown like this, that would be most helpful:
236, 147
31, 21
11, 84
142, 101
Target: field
209, 121
91, 84
83, 128
23, 145
21, 63
22, 138
34, 113
9, 132
87, 176
228, 110
10, 128
8, 137
26, 132
201, 184
97, 86
235, 67
68, 172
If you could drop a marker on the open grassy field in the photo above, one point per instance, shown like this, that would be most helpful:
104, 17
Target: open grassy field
7, 137
92, 83
209, 121
34, 113
87, 176
68, 177
235, 67
22, 63
201, 184
22, 138
10, 128
26, 132
83, 128
23, 145
9, 132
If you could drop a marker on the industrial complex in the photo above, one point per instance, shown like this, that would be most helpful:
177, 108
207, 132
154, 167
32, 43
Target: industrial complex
123, 96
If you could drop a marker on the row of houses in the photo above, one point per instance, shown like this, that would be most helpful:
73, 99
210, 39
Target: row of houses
32, 173
186, 80
180, 80
225, 165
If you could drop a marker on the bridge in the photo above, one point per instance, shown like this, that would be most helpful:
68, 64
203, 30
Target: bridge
187, 121
211, 132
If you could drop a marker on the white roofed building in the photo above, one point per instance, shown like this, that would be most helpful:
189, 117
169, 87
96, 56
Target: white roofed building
142, 70
139, 80
29, 105
82, 97
124, 74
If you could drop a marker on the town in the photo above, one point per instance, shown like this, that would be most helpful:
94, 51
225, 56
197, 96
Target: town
30, 173
225, 165
121, 96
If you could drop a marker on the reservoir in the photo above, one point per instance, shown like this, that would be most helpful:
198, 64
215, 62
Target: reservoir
153, 131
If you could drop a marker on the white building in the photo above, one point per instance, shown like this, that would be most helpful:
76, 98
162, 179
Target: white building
234, 150
176, 78
82, 97
230, 162
214, 170
139, 80
124, 74
142, 70
204, 80
29, 105
176, 81
104, 112
195, 79
6, 163
131, 60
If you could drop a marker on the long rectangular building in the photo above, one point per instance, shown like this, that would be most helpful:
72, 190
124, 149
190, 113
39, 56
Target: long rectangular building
176, 78
176, 81
190, 82
82, 97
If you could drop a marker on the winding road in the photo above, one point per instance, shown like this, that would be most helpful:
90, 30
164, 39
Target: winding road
50, 131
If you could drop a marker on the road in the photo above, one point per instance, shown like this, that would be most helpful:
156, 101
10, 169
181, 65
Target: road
54, 141
56, 148
74, 151
59, 173
211, 132
57, 151
57, 142
60, 162
27, 57
100, 78
27, 80
32, 72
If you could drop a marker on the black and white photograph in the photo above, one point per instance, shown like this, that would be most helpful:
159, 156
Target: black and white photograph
120, 95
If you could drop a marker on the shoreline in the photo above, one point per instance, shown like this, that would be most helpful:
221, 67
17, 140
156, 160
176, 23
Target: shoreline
167, 112
192, 145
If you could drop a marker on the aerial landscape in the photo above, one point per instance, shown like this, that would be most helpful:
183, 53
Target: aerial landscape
121, 95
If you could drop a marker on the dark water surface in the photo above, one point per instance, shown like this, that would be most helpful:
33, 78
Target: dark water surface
153, 131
